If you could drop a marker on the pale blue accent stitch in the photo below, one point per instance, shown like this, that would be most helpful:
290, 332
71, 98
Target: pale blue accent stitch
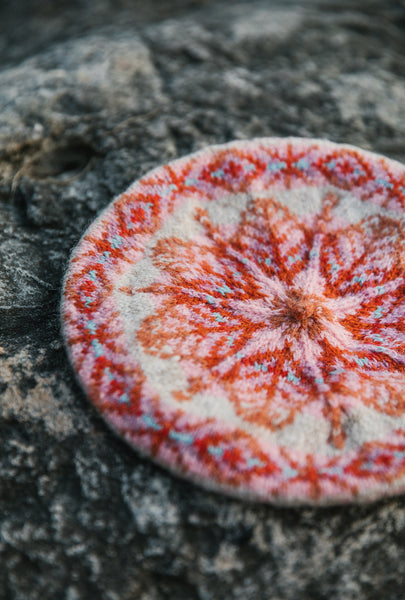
358, 172
276, 166
181, 437
293, 378
378, 313
384, 183
302, 164
91, 326
104, 257
330, 165
380, 289
360, 279
377, 337
147, 206
267, 261
88, 301
334, 266
293, 259
368, 465
249, 167
220, 318
319, 380
215, 450
289, 472
231, 340
361, 361
191, 181
210, 299
255, 462
399, 454
169, 189
219, 174
224, 290
240, 355
98, 349
313, 253
333, 470
93, 275
150, 422
109, 374
261, 367
116, 242
130, 225
337, 371
124, 398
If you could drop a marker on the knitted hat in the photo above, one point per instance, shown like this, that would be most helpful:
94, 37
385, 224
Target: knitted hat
238, 316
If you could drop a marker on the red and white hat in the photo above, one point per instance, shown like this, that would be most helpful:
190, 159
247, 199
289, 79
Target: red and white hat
238, 315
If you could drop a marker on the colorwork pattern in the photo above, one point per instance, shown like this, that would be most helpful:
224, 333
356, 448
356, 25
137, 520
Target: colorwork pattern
238, 316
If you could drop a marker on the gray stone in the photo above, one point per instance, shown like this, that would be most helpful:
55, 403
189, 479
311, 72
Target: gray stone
92, 96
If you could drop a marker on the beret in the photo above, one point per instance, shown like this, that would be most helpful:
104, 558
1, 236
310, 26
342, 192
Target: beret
237, 315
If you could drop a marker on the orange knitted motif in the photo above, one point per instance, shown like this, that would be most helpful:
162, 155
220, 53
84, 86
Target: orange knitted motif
238, 315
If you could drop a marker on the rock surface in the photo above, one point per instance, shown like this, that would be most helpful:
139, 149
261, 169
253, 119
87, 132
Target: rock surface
92, 95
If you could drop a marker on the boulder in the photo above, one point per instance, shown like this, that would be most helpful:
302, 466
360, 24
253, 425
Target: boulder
92, 96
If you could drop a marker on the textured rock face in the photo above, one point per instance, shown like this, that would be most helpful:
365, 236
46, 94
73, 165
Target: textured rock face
81, 515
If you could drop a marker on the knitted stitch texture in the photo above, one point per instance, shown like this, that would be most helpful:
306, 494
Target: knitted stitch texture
238, 316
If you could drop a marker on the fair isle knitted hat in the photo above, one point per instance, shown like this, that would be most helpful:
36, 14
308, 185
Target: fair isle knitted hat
238, 316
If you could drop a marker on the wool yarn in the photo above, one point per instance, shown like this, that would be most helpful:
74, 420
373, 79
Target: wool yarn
237, 315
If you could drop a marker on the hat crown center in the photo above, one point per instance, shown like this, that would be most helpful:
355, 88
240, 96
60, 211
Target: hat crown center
299, 311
